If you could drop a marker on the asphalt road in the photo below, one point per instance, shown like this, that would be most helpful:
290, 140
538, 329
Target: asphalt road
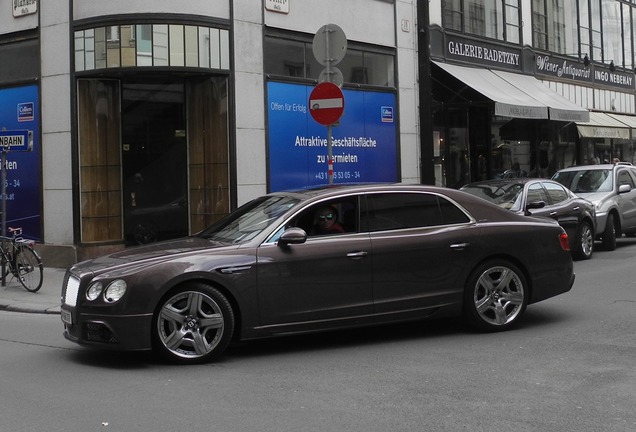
569, 367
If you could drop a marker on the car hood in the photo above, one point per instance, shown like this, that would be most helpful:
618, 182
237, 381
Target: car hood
593, 196
150, 254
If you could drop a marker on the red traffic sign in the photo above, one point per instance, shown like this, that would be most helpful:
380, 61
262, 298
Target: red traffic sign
326, 103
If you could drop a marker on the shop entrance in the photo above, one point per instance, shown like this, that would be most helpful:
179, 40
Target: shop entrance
154, 161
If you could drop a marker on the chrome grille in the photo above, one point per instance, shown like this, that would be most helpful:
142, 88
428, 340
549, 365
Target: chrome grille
71, 290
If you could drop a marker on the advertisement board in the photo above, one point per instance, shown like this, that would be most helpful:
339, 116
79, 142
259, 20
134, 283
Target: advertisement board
364, 141
19, 111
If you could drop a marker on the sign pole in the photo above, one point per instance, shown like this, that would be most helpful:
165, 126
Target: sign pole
330, 154
3, 167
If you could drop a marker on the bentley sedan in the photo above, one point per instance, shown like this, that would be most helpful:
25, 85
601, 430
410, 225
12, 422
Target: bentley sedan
543, 197
319, 259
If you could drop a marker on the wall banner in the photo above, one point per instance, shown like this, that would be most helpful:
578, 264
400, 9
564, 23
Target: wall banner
19, 110
364, 143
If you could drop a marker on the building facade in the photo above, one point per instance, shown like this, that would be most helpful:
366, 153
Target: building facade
526, 87
152, 119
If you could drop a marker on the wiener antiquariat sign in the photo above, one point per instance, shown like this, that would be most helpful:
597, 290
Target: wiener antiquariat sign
577, 71
24, 7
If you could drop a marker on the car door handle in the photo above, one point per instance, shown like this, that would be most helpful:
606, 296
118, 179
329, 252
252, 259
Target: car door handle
459, 246
553, 213
356, 255
576, 208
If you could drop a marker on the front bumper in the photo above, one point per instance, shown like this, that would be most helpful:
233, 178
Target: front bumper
125, 333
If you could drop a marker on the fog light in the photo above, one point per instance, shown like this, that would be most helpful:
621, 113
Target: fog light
115, 290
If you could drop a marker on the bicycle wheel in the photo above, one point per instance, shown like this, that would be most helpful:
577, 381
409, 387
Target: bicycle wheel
28, 268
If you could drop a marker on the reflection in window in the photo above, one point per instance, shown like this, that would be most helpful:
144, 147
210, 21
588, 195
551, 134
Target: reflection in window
152, 45
293, 58
489, 18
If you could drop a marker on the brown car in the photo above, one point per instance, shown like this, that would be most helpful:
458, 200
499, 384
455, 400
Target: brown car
401, 252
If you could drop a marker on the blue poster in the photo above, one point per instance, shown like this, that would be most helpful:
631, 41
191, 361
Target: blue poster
364, 143
19, 112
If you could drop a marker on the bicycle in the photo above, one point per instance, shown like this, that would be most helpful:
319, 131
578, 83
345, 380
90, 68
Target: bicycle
19, 259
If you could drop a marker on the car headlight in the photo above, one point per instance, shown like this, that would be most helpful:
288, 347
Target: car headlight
115, 290
94, 290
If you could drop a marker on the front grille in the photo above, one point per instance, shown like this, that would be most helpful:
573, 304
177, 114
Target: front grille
98, 332
71, 291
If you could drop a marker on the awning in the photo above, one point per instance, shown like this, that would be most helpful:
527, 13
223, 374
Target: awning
517, 96
559, 107
603, 125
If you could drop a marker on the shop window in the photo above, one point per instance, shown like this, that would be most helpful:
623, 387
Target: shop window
150, 45
100, 168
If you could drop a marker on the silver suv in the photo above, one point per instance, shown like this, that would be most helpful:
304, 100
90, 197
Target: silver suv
612, 189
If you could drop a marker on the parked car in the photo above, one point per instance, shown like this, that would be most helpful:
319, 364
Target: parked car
403, 253
612, 190
542, 197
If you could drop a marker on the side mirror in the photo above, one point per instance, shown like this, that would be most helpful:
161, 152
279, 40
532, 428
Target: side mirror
624, 188
292, 236
534, 205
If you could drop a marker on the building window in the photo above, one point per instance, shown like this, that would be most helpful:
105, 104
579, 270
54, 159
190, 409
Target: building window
152, 45
294, 58
493, 19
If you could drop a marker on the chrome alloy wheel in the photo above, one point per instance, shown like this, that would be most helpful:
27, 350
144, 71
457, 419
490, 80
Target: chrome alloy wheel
587, 240
499, 296
190, 324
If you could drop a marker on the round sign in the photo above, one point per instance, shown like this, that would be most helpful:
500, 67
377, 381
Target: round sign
329, 45
326, 103
334, 76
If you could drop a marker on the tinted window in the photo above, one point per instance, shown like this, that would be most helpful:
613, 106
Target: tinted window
625, 178
556, 192
410, 210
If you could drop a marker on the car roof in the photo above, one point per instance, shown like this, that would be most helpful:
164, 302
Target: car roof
606, 166
507, 181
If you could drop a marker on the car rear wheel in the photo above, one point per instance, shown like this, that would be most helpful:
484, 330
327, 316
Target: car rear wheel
583, 244
193, 325
496, 296
609, 235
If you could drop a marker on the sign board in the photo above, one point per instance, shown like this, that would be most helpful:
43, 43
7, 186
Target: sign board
365, 146
329, 45
280, 6
326, 103
24, 7
15, 140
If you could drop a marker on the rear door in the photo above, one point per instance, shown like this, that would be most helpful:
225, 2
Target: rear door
422, 244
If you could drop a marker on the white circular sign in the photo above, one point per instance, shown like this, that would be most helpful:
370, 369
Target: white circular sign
329, 45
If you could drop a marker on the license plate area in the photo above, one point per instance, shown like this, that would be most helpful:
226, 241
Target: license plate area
67, 318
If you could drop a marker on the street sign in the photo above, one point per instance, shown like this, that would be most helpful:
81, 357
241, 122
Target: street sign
326, 103
329, 45
15, 140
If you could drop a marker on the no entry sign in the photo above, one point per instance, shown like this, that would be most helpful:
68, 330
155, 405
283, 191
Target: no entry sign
326, 103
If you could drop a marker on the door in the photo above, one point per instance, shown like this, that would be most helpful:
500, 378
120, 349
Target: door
422, 247
154, 161
326, 278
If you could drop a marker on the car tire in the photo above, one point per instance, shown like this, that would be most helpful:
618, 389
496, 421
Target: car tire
583, 243
193, 324
609, 235
495, 297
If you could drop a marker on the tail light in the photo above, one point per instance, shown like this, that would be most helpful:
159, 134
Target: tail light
565, 242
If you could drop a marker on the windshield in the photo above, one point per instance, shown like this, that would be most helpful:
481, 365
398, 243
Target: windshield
586, 181
506, 195
249, 220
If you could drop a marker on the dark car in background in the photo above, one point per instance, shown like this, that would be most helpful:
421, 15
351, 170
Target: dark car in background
612, 190
542, 197
401, 253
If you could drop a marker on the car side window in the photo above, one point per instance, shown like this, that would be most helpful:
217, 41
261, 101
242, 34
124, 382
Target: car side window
410, 210
329, 217
537, 193
625, 178
556, 192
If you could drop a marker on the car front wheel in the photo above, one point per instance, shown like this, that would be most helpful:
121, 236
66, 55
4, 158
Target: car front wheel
496, 296
584, 242
193, 325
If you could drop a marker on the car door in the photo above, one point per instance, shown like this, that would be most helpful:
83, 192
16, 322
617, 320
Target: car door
627, 200
420, 256
326, 278
562, 207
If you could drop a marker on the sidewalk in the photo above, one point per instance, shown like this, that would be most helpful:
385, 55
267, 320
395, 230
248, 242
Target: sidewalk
13, 296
